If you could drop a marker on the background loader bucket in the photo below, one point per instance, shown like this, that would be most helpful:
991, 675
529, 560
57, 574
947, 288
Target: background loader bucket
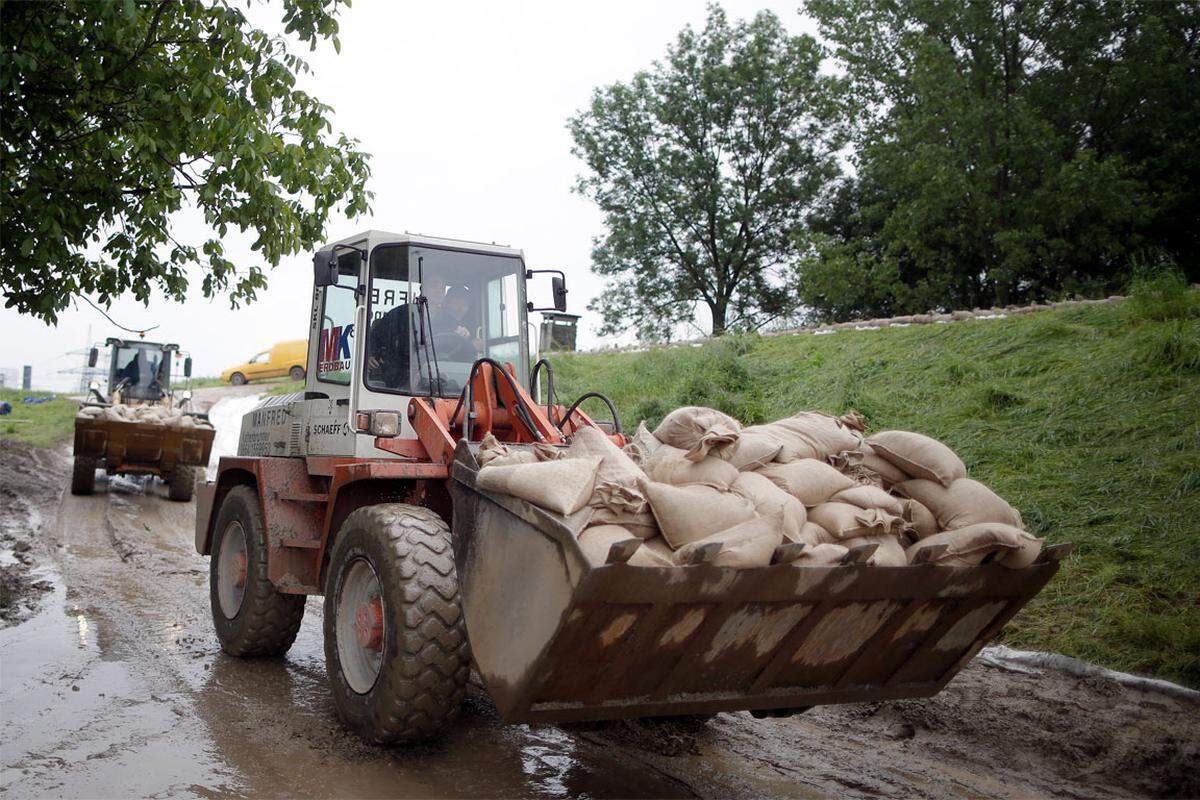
556, 639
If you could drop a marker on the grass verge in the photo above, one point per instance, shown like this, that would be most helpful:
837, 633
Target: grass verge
45, 424
1087, 420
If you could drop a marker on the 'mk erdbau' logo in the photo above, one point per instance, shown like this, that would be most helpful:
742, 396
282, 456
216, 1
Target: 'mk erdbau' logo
333, 352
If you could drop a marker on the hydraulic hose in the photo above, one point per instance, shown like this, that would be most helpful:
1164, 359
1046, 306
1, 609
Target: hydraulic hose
533, 385
611, 407
519, 409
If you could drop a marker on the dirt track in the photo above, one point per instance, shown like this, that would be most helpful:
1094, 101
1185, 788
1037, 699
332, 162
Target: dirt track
117, 687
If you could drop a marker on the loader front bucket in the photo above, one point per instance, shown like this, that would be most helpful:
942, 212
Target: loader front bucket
556, 639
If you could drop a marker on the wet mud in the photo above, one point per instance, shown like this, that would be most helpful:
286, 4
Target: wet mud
116, 686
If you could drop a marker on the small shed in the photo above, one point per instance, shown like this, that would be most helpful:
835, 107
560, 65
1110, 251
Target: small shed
558, 331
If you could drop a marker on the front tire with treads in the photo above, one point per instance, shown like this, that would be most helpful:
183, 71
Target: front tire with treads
395, 643
251, 617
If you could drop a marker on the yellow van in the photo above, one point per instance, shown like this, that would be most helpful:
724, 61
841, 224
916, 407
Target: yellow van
284, 358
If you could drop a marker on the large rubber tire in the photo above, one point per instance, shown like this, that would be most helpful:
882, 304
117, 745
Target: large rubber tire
296, 373
266, 622
237, 379
83, 476
424, 661
182, 484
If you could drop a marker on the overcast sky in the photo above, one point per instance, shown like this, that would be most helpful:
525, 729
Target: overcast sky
463, 107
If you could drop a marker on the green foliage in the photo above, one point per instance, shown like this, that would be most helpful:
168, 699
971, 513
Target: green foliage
117, 115
45, 424
704, 166
1006, 151
1061, 412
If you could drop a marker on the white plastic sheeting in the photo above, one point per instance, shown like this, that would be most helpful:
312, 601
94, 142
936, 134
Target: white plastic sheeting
1032, 662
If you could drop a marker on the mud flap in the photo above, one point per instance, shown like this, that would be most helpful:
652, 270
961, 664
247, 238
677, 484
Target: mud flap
556, 639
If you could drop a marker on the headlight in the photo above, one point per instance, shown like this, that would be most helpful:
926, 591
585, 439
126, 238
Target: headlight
94, 384
186, 394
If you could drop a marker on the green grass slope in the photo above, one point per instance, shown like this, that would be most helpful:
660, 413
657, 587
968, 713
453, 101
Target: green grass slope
1087, 420
44, 424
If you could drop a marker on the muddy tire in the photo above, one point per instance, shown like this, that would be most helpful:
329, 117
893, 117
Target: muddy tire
395, 644
182, 484
251, 618
83, 476
237, 379
296, 373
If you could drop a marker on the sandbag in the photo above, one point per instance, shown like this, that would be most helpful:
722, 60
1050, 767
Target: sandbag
808, 480
749, 544
844, 521
919, 456
642, 444
920, 519
689, 513
822, 555
771, 501
641, 524
619, 479
968, 546
966, 502
698, 430
596, 542
813, 534
564, 485
871, 497
752, 450
659, 547
670, 465
889, 553
886, 470
809, 434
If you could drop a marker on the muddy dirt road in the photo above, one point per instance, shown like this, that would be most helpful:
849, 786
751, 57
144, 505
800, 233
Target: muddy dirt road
116, 687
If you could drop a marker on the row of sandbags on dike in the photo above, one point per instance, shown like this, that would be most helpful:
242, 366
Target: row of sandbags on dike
144, 415
704, 488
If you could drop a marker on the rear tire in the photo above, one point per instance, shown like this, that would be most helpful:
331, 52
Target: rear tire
395, 644
251, 617
237, 379
83, 476
296, 373
182, 484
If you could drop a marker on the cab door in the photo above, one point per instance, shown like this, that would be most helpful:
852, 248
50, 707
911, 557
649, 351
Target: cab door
259, 366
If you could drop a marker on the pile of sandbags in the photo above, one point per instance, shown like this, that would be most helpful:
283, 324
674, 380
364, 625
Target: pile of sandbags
703, 488
144, 415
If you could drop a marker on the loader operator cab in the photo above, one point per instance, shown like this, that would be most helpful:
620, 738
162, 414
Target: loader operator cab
432, 309
139, 371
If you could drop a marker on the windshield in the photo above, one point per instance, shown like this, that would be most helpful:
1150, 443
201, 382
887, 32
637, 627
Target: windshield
143, 369
473, 309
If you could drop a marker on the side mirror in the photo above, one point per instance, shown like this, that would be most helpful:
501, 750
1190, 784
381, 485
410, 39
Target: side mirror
325, 267
93, 357
559, 287
187, 367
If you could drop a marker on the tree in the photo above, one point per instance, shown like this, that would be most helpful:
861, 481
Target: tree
1007, 150
704, 166
117, 115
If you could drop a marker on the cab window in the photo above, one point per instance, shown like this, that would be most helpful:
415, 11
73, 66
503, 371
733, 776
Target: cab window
336, 342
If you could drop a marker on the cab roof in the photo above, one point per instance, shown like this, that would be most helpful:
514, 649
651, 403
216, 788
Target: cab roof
373, 237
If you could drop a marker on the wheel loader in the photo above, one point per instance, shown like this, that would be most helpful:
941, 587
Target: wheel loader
362, 488
140, 379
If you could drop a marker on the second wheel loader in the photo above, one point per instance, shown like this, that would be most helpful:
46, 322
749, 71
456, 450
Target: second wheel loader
363, 488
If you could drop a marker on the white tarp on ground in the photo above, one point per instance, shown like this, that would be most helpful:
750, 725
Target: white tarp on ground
226, 417
1032, 662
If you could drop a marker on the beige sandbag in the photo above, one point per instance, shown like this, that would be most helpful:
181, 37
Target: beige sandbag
698, 430
813, 534
642, 444
596, 542
771, 501
822, 555
889, 553
749, 544
564, 485
618, 481
689, 513
809, 434
753, 450
808, 480
641, 524
490, 449
886, 470
659, 547
871, 497
919, 456
920, 519
844, 521
970, 545
670, 465
965, 502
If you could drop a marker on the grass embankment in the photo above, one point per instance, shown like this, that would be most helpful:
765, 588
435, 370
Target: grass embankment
1087, 420
44, 424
